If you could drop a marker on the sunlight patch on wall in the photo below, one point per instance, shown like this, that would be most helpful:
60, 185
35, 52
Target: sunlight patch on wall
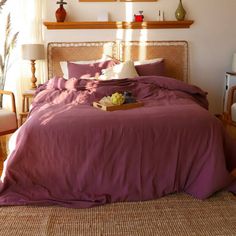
129, 12
143, 38
119, 34
128, 37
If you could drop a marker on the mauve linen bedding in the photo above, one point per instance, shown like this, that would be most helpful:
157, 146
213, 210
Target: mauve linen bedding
71, 154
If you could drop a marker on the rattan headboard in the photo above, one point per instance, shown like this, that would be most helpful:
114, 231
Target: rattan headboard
175, 54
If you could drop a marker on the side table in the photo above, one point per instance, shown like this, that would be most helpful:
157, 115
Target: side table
27, 97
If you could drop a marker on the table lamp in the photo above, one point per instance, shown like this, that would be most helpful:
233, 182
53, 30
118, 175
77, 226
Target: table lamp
33, 52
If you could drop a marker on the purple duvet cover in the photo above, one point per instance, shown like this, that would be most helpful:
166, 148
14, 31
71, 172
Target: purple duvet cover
74, 155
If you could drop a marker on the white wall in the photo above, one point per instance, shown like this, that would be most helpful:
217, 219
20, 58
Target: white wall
212, 37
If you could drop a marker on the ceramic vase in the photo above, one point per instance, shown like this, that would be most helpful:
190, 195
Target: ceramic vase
60, 14
180, 12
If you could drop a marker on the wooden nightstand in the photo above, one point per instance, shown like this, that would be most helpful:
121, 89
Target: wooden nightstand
27, 97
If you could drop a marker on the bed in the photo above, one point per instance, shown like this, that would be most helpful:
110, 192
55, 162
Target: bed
72, 154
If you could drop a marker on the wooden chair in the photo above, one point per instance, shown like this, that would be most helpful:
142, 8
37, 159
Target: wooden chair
8, 119
231, 106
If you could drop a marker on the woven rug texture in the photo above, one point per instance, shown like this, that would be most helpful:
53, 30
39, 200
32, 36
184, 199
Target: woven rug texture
177, 214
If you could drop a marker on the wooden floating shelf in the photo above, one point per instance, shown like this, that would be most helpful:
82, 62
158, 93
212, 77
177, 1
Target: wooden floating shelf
119, 25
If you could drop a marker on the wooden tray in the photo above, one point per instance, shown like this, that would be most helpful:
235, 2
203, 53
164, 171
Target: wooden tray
118, 107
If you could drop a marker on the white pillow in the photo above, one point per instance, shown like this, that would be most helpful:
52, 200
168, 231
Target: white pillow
143, 62
120, 71
64, 68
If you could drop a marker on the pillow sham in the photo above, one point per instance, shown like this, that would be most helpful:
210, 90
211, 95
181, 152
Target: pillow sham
119, 71
85, 71
155, 68
56, 83
64, 69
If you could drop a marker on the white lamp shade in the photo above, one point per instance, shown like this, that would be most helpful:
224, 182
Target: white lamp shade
33, 51
234, 63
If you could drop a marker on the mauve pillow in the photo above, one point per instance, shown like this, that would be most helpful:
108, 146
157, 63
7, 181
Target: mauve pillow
85, 71
61, 83
56, 83
155, 68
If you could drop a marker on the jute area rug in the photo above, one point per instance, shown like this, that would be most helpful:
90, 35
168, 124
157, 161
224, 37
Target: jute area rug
176, 214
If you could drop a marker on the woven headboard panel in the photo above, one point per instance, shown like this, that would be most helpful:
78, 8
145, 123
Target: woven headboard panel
84, 51
175, 54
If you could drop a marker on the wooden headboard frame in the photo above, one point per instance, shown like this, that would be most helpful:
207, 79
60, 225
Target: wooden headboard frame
175, 54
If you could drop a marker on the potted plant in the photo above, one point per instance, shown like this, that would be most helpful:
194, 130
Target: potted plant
8, 42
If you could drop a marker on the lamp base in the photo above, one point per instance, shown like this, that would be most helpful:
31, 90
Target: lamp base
33, 78
33, 85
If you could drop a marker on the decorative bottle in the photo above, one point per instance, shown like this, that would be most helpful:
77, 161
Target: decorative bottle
180, 12
61, 12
